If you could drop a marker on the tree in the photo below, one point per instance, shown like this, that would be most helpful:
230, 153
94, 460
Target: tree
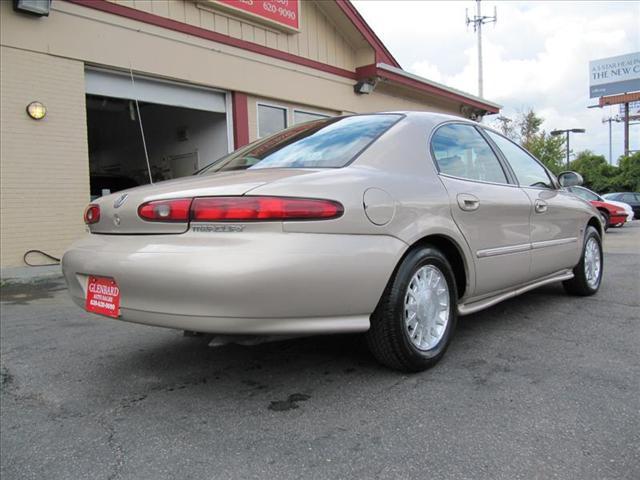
597, 173
628, 175
529, 124
549, 150
601, 177
506, 126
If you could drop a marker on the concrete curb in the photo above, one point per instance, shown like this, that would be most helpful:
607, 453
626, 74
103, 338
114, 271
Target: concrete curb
29, 274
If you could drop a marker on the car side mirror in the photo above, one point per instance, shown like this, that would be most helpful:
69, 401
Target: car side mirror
570, 179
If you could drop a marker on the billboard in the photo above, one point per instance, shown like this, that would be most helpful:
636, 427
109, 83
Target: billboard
279, 13
609, 76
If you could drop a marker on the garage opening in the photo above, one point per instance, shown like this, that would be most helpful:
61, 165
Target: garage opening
185, 128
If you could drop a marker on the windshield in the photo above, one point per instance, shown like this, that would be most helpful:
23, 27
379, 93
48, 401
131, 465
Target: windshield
327, 143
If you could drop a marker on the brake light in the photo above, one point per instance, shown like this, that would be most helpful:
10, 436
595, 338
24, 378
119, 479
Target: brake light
247, 209
92, 214
174, 210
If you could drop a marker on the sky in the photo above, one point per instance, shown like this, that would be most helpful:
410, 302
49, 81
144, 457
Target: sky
536, 55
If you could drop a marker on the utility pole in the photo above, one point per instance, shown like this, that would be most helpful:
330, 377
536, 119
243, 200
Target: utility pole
610, 120
478, 20
626, 129
624, 100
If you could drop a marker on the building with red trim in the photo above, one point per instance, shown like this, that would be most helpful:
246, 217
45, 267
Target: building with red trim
157, 89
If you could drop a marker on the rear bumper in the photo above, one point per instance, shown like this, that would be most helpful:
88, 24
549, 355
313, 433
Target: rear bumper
246, 325
245, 283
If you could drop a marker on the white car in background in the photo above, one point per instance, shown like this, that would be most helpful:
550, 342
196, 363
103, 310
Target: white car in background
627, 208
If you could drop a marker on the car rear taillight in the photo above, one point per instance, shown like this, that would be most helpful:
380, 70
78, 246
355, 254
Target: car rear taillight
174, 210
91, 214
251, 209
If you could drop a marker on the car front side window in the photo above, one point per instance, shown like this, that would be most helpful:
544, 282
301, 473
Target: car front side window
527, 169
582, 193
460, 151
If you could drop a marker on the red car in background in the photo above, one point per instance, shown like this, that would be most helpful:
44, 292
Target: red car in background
611, 214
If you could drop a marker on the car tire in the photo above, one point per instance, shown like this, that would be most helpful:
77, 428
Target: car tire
605, 219
583, 283
392, 339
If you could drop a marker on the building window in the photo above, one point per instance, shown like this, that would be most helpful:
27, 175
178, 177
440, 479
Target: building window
300, 116
271, 120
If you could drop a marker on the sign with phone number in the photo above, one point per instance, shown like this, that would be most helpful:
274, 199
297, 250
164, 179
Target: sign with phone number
282, 12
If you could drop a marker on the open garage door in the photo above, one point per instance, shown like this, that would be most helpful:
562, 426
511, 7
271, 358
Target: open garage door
185, 128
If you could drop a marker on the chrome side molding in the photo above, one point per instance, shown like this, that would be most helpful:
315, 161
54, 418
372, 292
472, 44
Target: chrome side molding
492, 252
523, 247
553, 243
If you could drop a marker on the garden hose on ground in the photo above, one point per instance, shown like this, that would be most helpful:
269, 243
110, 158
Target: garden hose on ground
56, 261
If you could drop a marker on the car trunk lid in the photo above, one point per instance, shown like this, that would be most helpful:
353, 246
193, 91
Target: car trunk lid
119, 211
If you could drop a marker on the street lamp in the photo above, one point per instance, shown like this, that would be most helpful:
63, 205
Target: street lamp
567, 132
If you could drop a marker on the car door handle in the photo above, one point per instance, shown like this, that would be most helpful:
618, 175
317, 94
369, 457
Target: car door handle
468, 202
541, 206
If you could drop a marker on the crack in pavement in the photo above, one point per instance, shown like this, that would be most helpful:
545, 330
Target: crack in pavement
103, 420
115, 446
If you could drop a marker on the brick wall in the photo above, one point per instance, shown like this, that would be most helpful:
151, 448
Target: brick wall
44, 167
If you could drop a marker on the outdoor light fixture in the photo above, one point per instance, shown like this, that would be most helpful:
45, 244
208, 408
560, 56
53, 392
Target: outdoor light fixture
555, 133
39, 8
363, 88
36, 110
571, 130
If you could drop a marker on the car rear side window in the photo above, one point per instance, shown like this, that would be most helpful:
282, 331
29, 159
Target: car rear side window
327, 143
460, 151
527, 169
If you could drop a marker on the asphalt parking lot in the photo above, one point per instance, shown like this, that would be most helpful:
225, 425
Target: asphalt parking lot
541, 386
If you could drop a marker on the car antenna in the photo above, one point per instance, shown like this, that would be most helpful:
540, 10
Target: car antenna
144, 142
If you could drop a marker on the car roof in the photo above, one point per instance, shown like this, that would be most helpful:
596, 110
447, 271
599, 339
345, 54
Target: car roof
434, 116
434, 119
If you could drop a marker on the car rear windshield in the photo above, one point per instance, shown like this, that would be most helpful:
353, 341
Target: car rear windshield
327, 143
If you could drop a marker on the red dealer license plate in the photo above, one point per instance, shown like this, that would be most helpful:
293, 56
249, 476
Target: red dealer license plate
103, 296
